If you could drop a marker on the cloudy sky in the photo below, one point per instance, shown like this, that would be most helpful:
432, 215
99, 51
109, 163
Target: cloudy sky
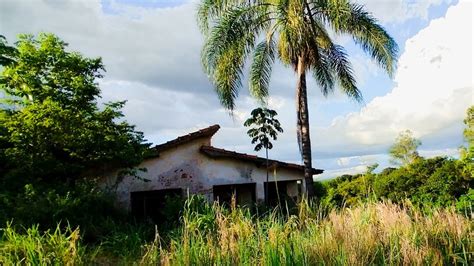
151, 49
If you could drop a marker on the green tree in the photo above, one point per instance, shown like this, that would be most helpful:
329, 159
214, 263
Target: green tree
469, 134
52, 127
6, 52
403, 151
296, 33
467, 153
264, 127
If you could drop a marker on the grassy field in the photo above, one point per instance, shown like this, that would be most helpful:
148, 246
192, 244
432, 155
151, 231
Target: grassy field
377, 233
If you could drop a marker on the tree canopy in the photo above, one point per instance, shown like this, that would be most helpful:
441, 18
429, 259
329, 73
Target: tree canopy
404, 150
264, 127
286, 30
50, 123
469, 132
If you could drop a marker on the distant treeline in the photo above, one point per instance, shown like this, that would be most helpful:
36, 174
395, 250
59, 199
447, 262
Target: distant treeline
433, 182
438, 181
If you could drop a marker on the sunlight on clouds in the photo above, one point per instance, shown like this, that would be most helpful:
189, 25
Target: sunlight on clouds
397, 11
342, 171
434, 86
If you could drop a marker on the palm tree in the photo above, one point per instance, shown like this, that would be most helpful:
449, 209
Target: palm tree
264, 127
297, 33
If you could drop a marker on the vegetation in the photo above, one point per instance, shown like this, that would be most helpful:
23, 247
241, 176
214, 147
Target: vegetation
264, 126
370, 234
55, 141
296, 33
403, 151
439, 181
468, 153
51, 126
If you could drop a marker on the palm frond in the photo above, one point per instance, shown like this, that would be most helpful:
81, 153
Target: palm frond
343, 72
261, 69
373, 38
209, 10
323, 74
353, 19
228, 45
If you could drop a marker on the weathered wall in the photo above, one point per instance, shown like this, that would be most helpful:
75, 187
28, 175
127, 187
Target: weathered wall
187, 168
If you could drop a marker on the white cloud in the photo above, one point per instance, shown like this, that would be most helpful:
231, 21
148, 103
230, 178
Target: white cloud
396, 11
434, 87
450, 152
328, 174
158, 47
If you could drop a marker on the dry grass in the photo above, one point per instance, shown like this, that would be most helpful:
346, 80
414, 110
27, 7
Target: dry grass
371, 234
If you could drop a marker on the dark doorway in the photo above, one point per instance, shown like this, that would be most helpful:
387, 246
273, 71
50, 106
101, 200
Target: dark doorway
244, 194
150, 204
282, 192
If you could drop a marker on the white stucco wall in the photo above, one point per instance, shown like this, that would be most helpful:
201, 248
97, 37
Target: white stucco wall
187, 168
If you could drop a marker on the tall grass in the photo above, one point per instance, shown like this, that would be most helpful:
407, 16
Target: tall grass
371, 234
33, 247
374, 233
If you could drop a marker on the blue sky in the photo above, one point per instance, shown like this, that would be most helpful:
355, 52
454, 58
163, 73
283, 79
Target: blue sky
151, 52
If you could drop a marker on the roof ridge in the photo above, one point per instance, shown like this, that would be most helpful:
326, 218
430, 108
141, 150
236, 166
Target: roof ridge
203, 132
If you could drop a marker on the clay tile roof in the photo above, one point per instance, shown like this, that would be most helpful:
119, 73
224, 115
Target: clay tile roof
205, 132
221, 153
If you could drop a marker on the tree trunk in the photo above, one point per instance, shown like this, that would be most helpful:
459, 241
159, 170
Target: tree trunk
303, 126
266, 184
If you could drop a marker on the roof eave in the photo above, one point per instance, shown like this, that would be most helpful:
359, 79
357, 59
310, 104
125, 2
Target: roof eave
221, 153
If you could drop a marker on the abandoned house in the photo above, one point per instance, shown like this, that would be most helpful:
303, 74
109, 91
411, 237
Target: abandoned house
191, 165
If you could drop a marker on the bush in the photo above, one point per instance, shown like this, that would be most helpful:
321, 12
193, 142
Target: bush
47, 204
436, 182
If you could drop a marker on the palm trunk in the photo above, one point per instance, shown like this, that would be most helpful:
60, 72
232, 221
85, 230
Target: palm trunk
266, 184
303, 126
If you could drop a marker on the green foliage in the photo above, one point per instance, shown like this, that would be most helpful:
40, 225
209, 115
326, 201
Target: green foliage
468, 153
403, 151
438, 182
295, 33
47, 204
371, 233
7, 52
51, 127
232, 28
33, 247
55, 142
349, 190
264, 126
465, 204
122, 240
287, 30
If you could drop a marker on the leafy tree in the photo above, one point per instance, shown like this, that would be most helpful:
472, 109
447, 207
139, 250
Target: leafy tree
438, 181
469, 134
403, 151
350, 189
52, 128
296, 33
264, 126
6, 52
